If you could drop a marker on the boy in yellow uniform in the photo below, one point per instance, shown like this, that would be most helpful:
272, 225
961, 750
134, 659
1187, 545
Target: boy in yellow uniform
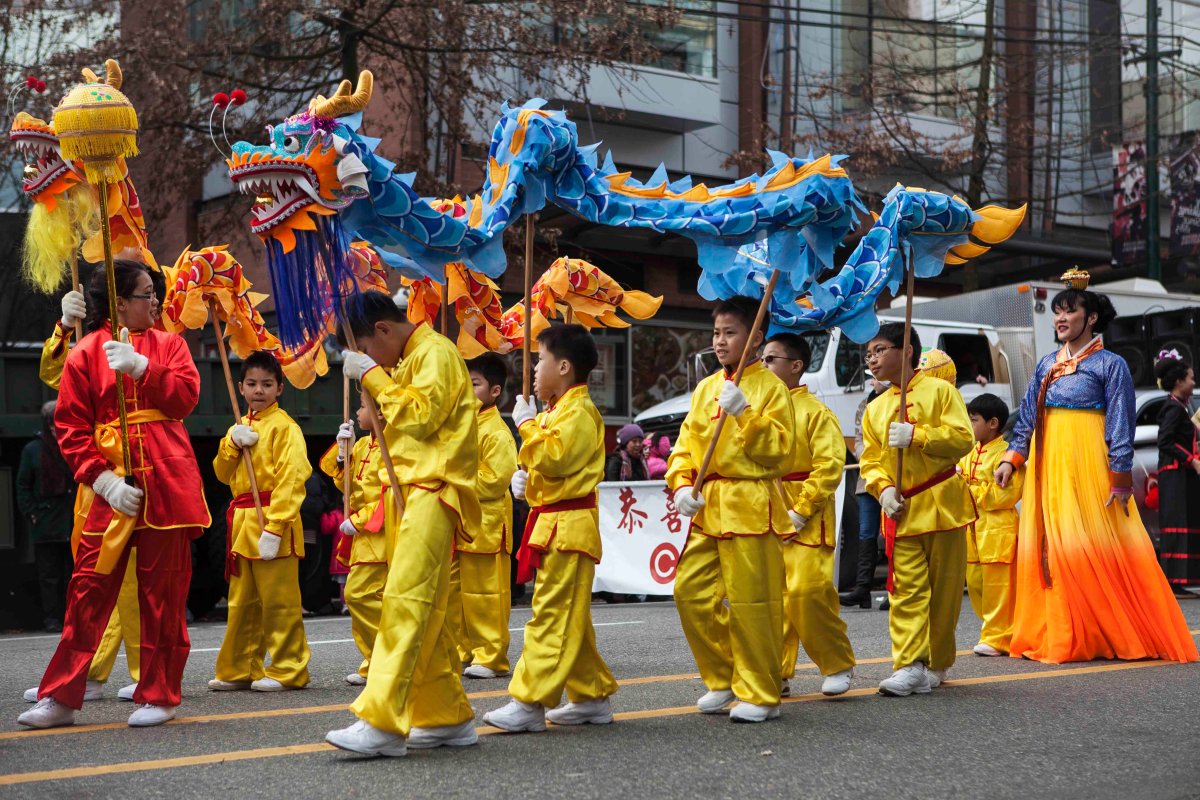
480, 577
562, 461
414, 695
926, 512
263, 561
733, 550
367, 558
813, 473
992, 539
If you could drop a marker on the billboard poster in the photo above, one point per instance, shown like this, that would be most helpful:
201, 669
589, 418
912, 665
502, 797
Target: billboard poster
1185, 196
1128, 230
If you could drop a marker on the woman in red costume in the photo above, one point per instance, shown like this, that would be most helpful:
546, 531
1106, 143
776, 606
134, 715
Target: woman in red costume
159, 512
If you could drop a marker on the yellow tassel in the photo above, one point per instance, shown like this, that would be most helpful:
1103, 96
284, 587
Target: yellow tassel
52, 238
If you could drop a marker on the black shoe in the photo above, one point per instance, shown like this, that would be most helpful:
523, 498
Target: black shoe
855, 597
52, 626
886, 603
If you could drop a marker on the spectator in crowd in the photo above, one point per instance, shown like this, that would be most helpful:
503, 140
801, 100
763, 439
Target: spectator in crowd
868, 519
656, 457
45, 495
1178, 476
628, 461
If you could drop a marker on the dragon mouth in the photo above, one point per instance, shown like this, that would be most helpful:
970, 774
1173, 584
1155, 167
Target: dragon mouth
280, 189
43, 162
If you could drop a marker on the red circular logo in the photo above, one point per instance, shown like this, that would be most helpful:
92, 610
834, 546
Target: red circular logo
663, 562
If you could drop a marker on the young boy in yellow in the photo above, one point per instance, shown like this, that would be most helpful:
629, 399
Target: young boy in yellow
926, 512
992, 539
263, 561
562, 461
733, 550
480, 577
813, 473
414, 695
367, 558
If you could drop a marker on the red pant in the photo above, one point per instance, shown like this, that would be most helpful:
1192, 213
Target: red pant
164, 572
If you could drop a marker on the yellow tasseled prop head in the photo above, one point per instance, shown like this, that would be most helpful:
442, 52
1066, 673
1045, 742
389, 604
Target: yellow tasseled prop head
97, 124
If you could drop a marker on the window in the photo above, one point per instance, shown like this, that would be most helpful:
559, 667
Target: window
1148, 415
848, 365
971, 354
817, 342
689, 46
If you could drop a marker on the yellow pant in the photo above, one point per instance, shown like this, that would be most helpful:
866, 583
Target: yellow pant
413, 680
927, 588
364, 598
810, 611
125, 624
265, 617
990, 587
736, 648
560, 642
480, 602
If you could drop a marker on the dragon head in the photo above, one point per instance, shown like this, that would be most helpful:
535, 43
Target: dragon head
47, 175
312, 166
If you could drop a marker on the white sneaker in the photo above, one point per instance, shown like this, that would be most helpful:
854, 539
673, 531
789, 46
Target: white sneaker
363, 737
354, 679
837, 683
748, 712
460, 735
480, 671
518, 717
785, 688
228, 686
30, 695
93, 690
714, 702
936, 677
149, 715
125, 692
595, 712
267, 685
984, 649
48, 713
912, 679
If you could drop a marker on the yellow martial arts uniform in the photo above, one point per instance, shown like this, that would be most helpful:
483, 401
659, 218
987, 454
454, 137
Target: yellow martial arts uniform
733, 549
430, 411
992, 542
264, 596
480, 577
368, 548
810, 600
125, 624
563, 452
928, 563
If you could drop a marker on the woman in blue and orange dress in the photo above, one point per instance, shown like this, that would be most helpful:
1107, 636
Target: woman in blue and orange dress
161, 511
1088, 582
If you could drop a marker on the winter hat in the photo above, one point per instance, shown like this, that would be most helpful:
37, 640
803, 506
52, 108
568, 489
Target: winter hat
629, 432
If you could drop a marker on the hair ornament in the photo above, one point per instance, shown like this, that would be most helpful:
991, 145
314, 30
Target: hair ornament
1076, 278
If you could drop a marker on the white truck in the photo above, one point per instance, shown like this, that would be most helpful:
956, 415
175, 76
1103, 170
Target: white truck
996, 337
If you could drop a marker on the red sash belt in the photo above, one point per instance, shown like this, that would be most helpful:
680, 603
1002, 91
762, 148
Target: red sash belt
527, 557
796, 476
889, 524
245, 500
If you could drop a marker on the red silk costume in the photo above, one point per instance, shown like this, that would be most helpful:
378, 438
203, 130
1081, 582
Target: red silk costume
173, 511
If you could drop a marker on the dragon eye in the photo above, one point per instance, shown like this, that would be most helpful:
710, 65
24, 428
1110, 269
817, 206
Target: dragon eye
291, 144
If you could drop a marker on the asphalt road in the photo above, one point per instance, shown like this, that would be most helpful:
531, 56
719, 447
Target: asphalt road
998, 728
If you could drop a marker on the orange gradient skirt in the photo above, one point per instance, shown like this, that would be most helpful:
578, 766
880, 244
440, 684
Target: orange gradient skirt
1108, 596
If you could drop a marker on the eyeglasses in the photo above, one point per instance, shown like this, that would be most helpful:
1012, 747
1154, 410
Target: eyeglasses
879, 351
769, 360
147, 296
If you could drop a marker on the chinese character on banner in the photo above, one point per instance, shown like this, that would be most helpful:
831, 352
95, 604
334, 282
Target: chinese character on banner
674, 523
630, 517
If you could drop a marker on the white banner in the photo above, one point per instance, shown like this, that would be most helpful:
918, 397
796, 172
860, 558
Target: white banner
643, 534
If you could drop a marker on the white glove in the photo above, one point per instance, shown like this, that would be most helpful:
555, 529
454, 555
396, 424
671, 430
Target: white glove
520, 480
348, 528
345, 441
355, 365
268, 545
731, 400
900, 435
74, 309
243, 436
686, 504
798, 520
120, 495
893, 504
524, 409
123, 358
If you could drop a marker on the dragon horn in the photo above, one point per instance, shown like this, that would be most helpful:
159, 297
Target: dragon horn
342, 102
112, 73
89, 76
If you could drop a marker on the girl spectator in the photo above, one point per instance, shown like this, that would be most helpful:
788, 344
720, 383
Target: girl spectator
1178, 476
656, 457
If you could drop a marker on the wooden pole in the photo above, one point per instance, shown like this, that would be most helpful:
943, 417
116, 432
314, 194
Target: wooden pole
237, 416
77, 286
737, 377
905, 366
525, 347
115, 324
445, 321
347, 463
